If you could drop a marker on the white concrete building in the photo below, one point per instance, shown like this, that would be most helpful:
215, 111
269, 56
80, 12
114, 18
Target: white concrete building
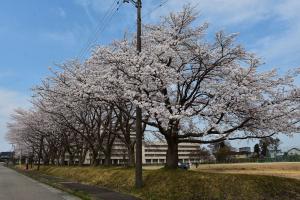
153, 153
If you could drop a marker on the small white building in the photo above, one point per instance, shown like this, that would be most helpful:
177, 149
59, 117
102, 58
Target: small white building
275, 153
245, 149
293, 151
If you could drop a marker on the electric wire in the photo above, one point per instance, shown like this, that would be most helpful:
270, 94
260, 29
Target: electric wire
160, 5
96, 30
114, 7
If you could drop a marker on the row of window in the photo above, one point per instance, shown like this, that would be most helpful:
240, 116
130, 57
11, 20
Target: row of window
165, 150
165, 146
148, 161
156, 161
159, 155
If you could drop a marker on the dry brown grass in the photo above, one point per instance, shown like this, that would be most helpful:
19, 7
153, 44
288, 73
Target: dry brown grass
283, 169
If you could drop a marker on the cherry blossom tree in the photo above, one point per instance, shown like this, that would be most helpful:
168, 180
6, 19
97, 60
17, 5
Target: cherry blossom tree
34, 134
194, 90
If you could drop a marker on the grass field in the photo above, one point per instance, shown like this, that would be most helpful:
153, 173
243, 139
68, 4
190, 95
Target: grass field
283, 169
162, 184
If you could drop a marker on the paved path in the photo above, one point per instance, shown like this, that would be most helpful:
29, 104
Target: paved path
15, 186
98, 193
94, 192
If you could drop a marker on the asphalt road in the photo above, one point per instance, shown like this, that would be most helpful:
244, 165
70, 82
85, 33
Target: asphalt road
15, 186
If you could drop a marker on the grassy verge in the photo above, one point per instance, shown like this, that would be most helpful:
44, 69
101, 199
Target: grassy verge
52, 181
184, 185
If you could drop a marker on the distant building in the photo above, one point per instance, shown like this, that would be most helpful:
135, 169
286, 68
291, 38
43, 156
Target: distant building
275, 153
153, 153
4, 156
245, 149
293, 151
241, 155
233, 149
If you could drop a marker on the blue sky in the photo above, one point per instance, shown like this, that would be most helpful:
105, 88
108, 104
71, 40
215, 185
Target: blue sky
35, 35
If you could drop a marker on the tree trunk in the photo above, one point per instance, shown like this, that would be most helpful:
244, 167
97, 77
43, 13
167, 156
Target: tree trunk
40, 153
131, 157
107, 152
71, 160
172, 153
62, 158
82, 156
31, 163
46, 160
95, 161
107, 159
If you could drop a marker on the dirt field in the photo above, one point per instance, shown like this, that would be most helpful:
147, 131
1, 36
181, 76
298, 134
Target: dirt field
283, 169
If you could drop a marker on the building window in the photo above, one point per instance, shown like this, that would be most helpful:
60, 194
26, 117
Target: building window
148, 161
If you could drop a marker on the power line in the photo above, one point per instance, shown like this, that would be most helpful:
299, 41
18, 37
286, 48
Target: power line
114, 7
161, 4
100, 32
98, 29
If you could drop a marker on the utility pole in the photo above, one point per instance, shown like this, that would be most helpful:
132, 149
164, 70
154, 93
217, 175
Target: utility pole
138, 126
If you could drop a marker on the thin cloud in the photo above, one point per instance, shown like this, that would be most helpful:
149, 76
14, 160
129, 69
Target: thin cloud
9, 101
96, 5
281, 45
61, 12
64, 37
281, 49
225, 12
93, 8
6, 73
